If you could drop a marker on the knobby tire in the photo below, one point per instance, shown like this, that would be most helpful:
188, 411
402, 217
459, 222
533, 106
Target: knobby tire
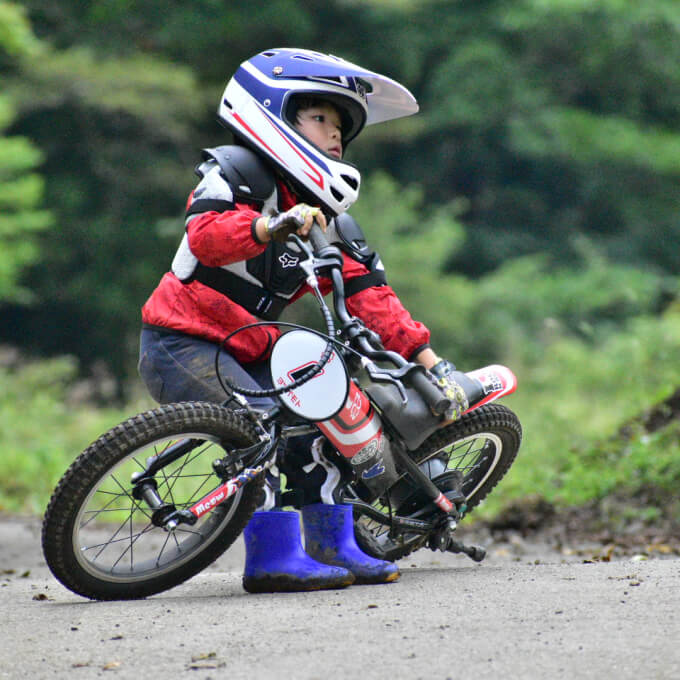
93, 480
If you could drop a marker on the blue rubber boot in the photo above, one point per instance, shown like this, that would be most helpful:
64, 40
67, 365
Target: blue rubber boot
276, 561
329, 538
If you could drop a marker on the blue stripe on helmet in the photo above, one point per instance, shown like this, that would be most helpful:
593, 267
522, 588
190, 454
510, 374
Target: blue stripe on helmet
300, 63
260, 91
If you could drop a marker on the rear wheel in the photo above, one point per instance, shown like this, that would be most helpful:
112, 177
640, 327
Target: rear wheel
481, 446
100, 542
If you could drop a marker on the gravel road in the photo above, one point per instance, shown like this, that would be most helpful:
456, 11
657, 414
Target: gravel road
528, 611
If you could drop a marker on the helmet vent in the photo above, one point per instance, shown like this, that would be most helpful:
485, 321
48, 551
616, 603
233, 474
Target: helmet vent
365, 84
351, 181
302, 57
337, 195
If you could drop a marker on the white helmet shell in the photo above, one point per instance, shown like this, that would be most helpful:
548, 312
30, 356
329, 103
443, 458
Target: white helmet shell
257, 98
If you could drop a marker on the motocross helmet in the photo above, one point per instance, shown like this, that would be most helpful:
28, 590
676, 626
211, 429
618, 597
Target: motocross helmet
259, 106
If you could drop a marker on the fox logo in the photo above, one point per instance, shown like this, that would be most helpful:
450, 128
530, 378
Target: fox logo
287, 260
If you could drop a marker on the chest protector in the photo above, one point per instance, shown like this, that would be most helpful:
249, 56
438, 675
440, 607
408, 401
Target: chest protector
264, 284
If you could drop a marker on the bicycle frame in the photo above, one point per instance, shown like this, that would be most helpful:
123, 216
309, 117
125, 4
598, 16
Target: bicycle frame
358, 341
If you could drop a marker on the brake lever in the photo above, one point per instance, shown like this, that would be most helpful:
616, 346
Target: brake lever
306, 264
303, 245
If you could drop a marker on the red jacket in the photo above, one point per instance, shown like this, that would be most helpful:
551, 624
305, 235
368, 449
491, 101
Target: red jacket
218, 239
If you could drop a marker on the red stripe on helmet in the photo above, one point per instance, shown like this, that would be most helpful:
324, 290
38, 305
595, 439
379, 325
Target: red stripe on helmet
259, 139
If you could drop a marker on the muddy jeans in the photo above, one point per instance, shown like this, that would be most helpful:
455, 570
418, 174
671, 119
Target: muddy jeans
177, 367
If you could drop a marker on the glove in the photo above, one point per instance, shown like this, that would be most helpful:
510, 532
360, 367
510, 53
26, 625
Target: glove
445, 375
281, 225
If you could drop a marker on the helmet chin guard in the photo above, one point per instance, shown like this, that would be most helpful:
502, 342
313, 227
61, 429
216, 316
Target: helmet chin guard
255, 107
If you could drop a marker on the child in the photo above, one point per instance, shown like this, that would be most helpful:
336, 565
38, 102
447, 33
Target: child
292, 112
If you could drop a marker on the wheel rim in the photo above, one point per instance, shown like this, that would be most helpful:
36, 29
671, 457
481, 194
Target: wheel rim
113, 536
476, 456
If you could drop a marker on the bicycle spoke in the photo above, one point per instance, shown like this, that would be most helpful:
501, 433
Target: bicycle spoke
116, 498
110, 541
165, 542
107, 537
136, 505
104, 509
147, 529
197, 494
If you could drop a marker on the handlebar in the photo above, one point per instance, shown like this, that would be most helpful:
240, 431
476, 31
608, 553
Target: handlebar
318, 239
327, 260
432, 395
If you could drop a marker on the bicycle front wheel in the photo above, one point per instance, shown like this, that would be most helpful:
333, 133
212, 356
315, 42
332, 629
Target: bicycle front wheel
99, 540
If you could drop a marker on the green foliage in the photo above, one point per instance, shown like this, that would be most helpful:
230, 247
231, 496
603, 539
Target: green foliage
213, 37
397, 223
155, 92
547, 121
16, 37
624, 469
40, 431
21, 188
107, 196
585, 344
588, 138
530, 214
573, 398
552, 118
511, 312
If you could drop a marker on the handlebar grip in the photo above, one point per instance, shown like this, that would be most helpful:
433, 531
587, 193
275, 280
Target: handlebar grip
432, 395
317, 238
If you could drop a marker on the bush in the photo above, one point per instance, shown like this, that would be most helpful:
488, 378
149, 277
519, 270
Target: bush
41, 433
573, 400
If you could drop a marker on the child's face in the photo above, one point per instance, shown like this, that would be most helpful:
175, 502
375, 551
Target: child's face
321, 125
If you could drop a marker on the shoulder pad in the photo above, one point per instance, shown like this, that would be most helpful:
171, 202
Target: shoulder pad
352, 237
248, 175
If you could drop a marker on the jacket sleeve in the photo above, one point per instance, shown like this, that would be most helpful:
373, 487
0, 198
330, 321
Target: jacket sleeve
221, 238
220, 230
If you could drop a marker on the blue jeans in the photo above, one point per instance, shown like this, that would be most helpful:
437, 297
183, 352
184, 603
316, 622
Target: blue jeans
177, 367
